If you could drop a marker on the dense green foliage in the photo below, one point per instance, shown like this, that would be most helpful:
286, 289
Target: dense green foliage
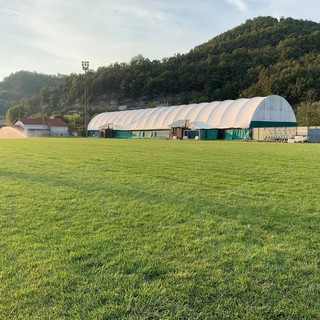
260, 57
139, 230
26, 85
263, 56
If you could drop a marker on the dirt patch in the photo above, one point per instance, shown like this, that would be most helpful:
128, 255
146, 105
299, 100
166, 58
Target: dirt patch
8, 132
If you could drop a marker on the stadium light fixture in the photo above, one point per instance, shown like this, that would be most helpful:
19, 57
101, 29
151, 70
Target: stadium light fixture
85, 67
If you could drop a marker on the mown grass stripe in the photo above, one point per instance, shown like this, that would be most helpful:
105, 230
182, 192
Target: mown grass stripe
144, 229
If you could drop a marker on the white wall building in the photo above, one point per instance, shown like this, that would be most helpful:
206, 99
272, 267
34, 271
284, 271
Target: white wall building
42, 127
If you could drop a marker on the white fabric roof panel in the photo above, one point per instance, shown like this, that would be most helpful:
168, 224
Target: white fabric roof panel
220, 114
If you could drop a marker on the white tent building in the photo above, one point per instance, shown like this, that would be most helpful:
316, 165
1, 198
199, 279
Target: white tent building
229, 119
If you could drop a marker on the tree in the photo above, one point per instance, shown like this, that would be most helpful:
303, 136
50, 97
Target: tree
18, 111
73, 119
308, 113
139, 58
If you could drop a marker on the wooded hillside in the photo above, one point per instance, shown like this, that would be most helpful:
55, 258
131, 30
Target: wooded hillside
260, 57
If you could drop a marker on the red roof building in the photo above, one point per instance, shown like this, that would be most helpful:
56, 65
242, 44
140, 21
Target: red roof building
42, 127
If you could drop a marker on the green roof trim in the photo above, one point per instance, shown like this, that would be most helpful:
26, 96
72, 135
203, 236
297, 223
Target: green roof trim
263, 124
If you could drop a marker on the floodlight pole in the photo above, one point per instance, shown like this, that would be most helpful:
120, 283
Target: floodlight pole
43, 121
85, 67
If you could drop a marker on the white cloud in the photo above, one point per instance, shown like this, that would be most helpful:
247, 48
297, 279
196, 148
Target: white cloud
240, 4
103, 32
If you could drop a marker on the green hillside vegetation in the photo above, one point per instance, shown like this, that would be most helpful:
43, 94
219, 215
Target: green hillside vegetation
26, 87
260, 57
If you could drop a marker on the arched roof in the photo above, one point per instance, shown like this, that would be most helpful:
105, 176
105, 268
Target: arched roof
220, 114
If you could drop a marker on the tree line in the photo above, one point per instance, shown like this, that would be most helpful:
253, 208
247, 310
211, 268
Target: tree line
260, 57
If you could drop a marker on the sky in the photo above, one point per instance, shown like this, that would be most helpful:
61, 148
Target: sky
55, 36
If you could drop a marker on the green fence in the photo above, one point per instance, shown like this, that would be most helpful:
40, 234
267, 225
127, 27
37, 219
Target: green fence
151, 134
211, 134
205, 134
237, 134
122, 134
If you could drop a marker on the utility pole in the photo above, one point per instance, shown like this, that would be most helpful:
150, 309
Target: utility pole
42, 121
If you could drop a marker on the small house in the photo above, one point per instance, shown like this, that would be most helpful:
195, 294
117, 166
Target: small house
37, 127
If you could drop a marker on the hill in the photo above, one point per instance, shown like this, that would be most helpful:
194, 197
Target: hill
260, 57
24, 84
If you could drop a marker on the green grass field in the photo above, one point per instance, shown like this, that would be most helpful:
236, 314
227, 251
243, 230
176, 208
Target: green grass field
145, 229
